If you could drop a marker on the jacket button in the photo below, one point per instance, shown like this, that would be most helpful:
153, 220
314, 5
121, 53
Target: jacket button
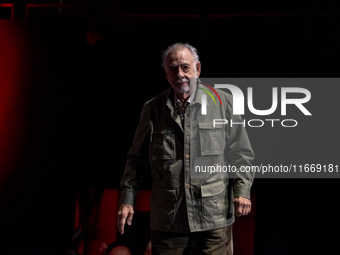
187, 156
187, 186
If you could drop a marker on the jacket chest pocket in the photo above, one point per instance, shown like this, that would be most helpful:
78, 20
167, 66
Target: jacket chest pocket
163, 144
211, 138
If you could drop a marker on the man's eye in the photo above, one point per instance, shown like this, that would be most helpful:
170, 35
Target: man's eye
185, 68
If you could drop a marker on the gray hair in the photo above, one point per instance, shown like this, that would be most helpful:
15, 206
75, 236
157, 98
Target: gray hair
175, 46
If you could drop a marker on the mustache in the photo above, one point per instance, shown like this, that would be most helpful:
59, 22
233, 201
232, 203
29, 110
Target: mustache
182, 80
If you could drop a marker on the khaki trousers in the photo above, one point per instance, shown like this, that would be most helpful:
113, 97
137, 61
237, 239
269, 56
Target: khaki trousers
212, 242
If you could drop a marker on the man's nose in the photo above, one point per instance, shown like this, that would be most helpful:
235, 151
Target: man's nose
180, 73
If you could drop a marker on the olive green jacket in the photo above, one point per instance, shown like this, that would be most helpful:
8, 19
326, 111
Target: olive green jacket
183, 200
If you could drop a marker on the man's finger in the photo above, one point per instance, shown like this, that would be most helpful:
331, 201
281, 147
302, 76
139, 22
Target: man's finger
121, 219
248, 208
129, 219
240, 208
121, 223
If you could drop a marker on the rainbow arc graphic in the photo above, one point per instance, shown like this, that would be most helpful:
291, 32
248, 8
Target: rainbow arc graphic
209, 93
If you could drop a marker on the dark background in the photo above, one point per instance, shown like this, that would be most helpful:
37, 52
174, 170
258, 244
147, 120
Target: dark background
69, 109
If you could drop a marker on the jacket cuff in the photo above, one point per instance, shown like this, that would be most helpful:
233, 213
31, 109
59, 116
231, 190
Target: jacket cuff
242, 190
126, 197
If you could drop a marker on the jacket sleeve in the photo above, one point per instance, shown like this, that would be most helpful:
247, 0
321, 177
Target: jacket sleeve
137, 160
239, 153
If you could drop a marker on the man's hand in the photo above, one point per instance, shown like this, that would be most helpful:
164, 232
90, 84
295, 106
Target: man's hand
124, 214
242, 206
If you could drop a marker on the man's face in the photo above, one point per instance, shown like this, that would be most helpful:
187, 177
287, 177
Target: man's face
181, 70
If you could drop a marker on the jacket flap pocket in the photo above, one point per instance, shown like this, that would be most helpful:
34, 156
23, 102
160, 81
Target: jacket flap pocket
211, 138
212, 189
163, 144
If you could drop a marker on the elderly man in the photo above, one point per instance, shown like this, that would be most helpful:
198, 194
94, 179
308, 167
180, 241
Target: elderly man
172, 137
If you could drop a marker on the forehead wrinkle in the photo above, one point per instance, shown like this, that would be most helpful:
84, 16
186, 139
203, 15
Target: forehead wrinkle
179, 64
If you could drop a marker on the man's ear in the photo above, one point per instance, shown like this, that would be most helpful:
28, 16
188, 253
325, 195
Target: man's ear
198, 69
